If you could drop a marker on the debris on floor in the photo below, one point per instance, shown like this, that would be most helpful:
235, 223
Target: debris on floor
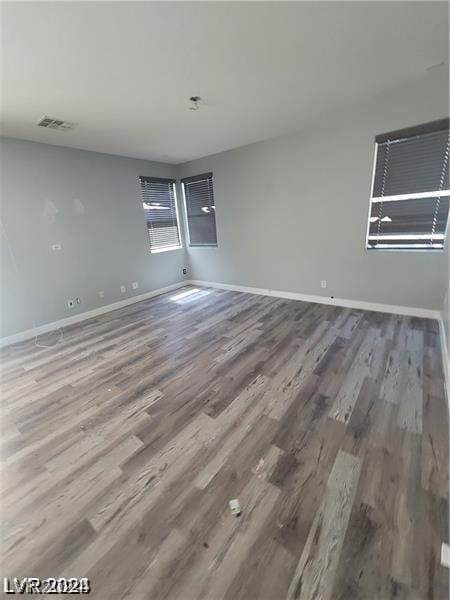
445, 555
235, 507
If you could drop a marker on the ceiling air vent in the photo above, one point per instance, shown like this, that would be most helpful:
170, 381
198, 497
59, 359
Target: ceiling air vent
51, 123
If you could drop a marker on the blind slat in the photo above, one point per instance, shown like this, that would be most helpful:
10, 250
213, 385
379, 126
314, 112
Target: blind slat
412, 165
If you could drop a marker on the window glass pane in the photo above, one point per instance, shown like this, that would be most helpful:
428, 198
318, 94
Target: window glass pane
409, 206
200, 210
160, 209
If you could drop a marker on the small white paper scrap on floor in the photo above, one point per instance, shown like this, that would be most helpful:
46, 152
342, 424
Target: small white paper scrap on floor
235, 507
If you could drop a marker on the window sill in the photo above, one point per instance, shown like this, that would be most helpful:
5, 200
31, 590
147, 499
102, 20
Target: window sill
168, 249
402, 250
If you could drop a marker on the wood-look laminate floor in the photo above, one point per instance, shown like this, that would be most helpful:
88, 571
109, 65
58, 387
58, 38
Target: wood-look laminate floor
122, 445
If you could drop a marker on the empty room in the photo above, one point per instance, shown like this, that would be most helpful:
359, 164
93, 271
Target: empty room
225, 312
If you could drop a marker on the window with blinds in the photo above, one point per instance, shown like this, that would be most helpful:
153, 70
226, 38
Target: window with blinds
410, 194
200, 210
160, 208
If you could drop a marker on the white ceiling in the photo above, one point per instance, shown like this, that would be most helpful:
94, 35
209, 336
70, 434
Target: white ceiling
124, 71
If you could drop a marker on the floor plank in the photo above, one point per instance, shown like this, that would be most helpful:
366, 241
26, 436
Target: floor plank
123, 441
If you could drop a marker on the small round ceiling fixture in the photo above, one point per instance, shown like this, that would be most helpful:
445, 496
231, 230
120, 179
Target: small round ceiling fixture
194, 102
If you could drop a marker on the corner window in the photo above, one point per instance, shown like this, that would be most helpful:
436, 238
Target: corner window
409, 203
160, 208
200, 210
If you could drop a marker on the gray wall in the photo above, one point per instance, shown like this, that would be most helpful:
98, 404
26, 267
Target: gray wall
99, 223
293, 210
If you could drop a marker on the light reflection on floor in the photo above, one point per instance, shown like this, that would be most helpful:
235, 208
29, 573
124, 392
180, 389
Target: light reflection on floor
190, 295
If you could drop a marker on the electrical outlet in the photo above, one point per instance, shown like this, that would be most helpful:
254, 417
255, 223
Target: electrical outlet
323, 284
56, 247
184, 271
70, 303
101, 294
135, 285
123, 289
78, 300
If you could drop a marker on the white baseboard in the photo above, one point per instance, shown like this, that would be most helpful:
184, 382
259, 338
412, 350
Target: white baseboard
31, 333
445, 357
409, 311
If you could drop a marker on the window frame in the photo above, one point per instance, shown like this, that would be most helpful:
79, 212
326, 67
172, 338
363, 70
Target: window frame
183, 182
410, 131
169, 181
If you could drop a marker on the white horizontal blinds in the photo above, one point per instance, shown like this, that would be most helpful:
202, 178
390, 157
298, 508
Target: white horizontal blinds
410, 197
160, 208
200, 210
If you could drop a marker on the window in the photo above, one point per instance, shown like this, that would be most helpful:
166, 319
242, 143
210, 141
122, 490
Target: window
200, 210
160, 207
410, 192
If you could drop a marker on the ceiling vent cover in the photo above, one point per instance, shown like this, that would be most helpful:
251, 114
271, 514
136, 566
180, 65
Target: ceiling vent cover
51, 123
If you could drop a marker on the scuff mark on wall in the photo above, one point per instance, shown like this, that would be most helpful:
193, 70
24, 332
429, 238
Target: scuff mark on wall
78, 206
50, 211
